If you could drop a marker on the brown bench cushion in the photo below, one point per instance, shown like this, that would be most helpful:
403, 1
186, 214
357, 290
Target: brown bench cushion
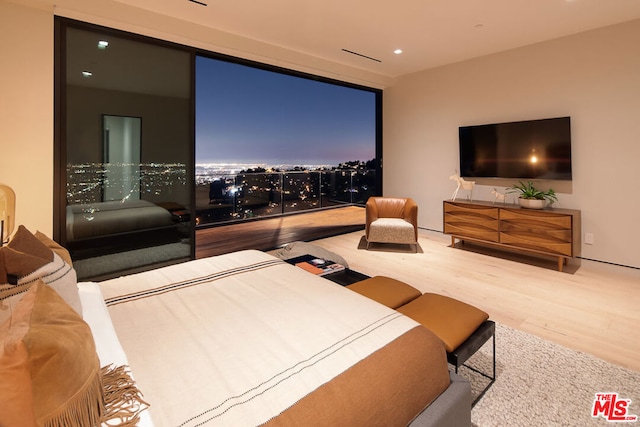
385, 290
451, 320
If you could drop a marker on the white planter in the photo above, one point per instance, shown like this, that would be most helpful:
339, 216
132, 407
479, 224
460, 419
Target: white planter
532, 203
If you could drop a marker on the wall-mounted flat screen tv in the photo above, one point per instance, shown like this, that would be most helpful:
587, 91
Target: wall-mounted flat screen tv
532, 149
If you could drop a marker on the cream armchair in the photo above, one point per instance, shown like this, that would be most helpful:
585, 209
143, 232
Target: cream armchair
391, 220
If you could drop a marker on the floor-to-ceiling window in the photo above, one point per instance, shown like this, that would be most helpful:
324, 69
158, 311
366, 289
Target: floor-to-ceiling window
153, 139
272, 142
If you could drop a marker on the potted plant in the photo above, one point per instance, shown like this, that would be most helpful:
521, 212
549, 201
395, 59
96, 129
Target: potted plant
531, 197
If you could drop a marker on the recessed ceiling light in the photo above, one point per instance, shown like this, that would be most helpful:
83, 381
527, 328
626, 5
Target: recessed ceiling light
397, 51
103, 44
87, 74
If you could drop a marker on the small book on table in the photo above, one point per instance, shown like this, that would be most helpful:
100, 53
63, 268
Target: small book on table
320, 266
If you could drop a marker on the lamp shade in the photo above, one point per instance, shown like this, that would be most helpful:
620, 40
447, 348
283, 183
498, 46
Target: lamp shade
7, 211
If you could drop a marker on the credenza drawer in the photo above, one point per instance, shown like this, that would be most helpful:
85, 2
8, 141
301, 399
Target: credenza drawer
540, 219
472, 221
480, 221
471, 211
538, 243
473, 231
536, 231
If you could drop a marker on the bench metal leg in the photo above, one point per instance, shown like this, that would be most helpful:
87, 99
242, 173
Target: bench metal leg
460, 355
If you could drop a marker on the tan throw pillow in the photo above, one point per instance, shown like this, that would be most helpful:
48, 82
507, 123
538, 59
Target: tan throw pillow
24, 254
48, 364
26, 260
19, 264
25, 241
54, 246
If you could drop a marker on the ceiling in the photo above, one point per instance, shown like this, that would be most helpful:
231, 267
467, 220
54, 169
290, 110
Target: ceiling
314, 36
431, 33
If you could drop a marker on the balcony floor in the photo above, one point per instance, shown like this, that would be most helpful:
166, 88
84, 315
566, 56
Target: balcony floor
267, 234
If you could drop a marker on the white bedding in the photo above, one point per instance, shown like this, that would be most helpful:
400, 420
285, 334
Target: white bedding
108, 347
234, 339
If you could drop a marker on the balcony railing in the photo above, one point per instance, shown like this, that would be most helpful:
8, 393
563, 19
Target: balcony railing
250, 195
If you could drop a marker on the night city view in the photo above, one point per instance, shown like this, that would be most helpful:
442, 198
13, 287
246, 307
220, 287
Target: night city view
223, 194
268, 143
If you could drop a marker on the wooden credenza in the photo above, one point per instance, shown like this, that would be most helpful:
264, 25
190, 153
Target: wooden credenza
553, 232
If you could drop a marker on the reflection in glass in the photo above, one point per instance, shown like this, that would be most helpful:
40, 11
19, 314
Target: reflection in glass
121, 143
128, 144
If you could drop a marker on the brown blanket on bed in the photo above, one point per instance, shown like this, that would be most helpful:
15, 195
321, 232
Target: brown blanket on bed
390, 387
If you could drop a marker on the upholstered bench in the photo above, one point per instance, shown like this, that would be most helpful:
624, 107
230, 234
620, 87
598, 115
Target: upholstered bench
462, 328
385, 290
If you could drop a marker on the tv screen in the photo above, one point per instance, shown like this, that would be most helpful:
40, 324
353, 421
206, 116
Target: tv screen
532, 149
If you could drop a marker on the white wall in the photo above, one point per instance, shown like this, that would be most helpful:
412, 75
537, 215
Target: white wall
26, 112
593, 77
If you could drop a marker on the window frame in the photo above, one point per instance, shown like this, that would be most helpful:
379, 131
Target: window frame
60, 102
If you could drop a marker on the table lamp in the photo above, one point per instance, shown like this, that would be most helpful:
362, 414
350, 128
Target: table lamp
7, 212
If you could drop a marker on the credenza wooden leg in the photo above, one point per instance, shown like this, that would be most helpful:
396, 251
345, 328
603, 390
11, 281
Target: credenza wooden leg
560, 263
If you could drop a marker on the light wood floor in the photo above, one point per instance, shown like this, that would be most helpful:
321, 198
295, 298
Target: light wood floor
596, 309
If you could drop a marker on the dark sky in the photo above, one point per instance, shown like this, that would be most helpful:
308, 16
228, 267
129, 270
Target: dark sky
247, 115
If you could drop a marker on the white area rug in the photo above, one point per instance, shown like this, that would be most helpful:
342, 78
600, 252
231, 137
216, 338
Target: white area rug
540, 383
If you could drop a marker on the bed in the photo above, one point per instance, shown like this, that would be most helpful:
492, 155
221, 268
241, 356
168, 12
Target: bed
248, 339
106, 218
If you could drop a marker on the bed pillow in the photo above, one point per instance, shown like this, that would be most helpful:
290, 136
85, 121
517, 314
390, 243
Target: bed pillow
54, 246
48, 364
26, 260
27, 242
19, 264
51, 373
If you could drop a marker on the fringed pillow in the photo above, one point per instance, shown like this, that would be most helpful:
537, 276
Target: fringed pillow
50, 371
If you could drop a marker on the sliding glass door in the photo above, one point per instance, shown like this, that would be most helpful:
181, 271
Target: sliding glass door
128, 146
